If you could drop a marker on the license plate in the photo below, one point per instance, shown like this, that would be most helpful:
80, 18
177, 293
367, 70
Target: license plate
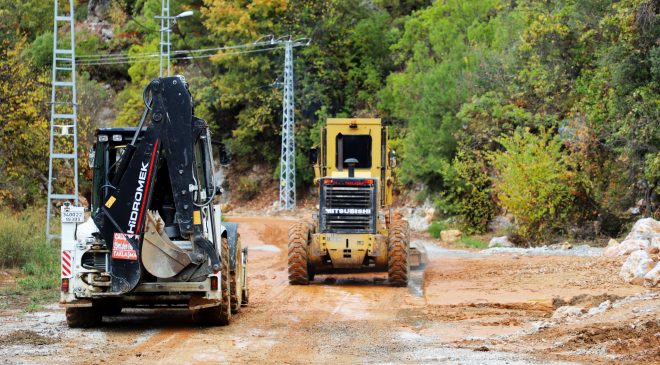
73, 215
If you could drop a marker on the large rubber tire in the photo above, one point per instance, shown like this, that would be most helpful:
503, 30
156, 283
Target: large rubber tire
83, 317
219, 315
236, 276
110, 307
298, 262
398, 245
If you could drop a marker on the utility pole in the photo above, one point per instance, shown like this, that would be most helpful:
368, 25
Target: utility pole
63, 115
166, 24
288, 157
288, 154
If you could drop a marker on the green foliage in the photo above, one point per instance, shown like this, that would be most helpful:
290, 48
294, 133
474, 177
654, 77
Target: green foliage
247, 188
452, 77
536, 181
472, 242
23, 245
436, 227
24, 128
468, 192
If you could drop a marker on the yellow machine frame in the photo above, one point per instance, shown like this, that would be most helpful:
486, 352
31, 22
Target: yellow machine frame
358, 245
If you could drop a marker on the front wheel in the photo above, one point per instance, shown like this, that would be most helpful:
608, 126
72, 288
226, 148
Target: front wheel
397, 253
237, 284
298, 262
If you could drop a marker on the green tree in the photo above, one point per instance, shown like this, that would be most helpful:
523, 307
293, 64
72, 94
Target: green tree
536, 181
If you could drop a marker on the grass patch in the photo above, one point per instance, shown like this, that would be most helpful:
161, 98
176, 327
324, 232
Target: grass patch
436, 227
472, 242
23, 245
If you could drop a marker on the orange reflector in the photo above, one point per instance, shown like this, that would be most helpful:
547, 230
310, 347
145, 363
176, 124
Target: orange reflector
65, 286
214, 283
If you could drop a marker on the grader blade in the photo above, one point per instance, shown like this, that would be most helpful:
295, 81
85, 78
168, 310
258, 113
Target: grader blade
418, 257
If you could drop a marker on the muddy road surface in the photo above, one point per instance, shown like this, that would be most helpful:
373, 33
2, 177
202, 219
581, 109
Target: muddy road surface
466, 307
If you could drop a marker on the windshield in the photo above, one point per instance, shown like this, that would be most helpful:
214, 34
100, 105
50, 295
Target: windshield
353, 146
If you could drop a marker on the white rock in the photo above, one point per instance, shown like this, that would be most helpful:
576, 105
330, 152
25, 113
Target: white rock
627, 247
601, 308
502, 241
566, 311
612, 242
501, 223
450, 235
636, 267
645, 228
611, 251
652, 278
655, 241
419, 218
107, 33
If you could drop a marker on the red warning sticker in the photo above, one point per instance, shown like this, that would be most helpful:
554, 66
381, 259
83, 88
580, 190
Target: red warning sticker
121, 249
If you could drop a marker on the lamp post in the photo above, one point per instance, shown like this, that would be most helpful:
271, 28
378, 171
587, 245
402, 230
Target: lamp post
166, 24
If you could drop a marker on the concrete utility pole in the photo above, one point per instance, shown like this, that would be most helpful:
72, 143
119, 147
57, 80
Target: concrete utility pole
288, 156
63, 113
166, 24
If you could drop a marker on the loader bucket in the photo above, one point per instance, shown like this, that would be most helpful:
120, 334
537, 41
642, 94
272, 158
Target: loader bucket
160, 256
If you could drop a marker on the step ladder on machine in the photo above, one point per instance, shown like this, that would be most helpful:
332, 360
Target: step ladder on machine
63, 159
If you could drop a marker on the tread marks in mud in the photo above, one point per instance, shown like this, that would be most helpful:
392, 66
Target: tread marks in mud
397, 255
298, 270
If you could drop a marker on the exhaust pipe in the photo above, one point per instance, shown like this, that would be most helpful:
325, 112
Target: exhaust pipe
351, 162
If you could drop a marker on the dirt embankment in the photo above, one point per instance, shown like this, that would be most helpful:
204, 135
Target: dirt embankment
465, 307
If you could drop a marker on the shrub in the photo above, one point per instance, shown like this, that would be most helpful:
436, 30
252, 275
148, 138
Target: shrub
247, 188
436, 227
536, 181
468, 192
472, 242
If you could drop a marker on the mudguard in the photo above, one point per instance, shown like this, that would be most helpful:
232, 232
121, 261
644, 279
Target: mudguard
231, 229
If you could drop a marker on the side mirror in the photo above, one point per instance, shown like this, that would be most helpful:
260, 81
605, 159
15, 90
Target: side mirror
92, 156
313, 155
392, 158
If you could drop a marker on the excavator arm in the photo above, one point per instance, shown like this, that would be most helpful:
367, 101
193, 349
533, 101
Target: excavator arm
167, 143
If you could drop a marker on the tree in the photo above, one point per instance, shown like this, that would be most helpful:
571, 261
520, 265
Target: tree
24, 125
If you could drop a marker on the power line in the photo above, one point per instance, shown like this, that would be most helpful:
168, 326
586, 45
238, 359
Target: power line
191, 57
184, 51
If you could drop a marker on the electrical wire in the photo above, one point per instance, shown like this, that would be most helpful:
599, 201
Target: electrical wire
122, 58
85, 58
191, 57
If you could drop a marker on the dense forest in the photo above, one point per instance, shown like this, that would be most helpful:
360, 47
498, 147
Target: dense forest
544, 110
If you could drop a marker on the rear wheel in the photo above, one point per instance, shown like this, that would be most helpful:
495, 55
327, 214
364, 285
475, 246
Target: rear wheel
219, 315
83, 317
397, 253
298, 239
237, 281
110, 307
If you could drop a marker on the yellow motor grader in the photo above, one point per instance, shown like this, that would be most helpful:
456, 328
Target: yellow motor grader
354, 230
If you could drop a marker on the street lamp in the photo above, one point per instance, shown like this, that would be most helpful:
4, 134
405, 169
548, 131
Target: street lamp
166, 24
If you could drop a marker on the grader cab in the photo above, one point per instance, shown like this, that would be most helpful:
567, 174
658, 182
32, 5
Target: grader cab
354, 230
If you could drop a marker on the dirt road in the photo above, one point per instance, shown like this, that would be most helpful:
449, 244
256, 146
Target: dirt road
466, 307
